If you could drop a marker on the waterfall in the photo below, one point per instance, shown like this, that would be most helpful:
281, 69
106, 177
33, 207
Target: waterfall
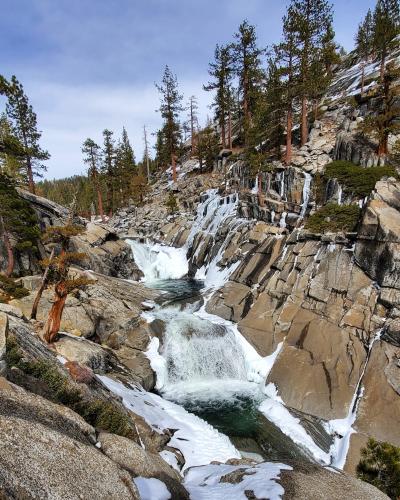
281, 179
343, 428
158, 261
340, 194
282, 222
255, 188
272, 216
197, 350
306, 194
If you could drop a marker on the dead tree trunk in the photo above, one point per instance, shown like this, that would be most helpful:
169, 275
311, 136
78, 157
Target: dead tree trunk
42, 287
53, 323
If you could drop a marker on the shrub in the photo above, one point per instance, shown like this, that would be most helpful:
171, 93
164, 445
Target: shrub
171, 203
104, 415
334, 218
380, 466
11, 288
357, 180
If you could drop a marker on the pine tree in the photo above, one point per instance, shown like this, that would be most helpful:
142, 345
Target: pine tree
11, 151
108, 168
59, 274
192, 108
18, 222
170, 107
207, 147
91, 150
125, 167
221, 70
287, 55
24, 122
311, 21
247, 62
364, 44
386, 27
385, 121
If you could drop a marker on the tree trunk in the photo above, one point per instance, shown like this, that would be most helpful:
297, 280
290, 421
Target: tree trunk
42, 287
7, 244
288, 158
382, 69
362, 78
223, 133
230, 129
173, 167
383, 146
304, 121
30, 175
53, 323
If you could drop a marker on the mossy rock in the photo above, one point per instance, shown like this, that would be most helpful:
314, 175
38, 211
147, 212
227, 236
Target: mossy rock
334, 218
11, 289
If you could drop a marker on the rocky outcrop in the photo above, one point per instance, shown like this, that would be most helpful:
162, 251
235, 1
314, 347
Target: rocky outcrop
378, 245
43, 446
314, 483
105, 252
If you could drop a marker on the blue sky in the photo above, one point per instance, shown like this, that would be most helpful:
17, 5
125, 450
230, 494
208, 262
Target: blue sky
91, 64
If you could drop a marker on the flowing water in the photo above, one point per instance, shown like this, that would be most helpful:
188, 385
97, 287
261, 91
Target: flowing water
204, 367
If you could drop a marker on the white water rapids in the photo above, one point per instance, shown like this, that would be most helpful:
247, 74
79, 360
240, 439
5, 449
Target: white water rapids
204, 358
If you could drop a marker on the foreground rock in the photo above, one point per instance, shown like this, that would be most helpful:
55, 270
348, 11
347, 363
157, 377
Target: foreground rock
44, 446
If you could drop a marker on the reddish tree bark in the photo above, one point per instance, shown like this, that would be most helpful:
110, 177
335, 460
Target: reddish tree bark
42, 287
53, 323
30, 176
173, 167
304, 121
288, 158
230, 129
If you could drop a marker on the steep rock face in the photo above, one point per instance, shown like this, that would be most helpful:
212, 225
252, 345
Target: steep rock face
378, 245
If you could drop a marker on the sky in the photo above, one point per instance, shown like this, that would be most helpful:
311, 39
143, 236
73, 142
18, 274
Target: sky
87, 65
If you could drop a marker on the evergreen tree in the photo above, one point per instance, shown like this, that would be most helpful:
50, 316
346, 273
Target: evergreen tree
59, 274
330, 50
11, 150
364, 44
24, 122
221, 70
386, 27
125, 167
207, 147
380, 466
170, 107
108, 168
312, 21
18, 222
192, 108
91, 150
287, 55
385, 120
247, 62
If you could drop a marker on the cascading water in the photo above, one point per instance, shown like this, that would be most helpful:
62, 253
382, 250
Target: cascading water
306, 194
159, 261
204, 363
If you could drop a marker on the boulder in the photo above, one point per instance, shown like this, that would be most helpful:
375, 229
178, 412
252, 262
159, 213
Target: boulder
3, 340
316, 483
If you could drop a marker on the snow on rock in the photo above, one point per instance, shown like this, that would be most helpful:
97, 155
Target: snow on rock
274, 410
199, 442
152, 489
204, 483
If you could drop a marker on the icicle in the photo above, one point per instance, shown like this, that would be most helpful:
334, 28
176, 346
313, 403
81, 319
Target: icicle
282, 222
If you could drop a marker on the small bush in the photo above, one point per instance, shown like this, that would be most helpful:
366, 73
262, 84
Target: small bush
357, 180
334, 218
101, 414
12, 289
171, 203
380, 466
